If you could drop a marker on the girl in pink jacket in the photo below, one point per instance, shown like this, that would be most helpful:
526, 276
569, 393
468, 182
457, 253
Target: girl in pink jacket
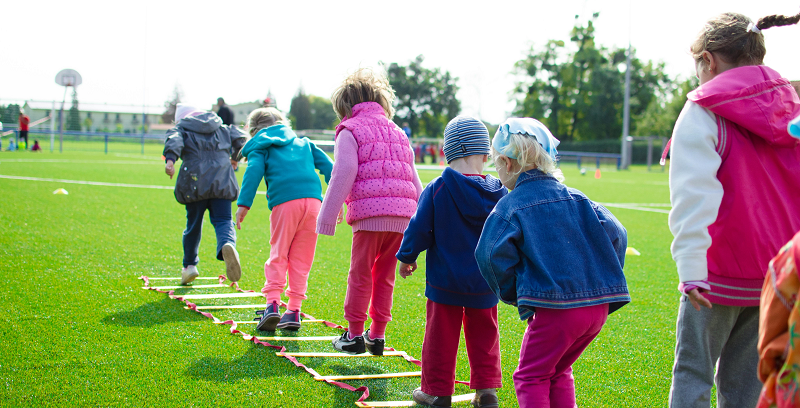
735, 191
374, 175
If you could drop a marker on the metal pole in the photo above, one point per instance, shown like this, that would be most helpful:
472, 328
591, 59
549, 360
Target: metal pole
52, 126
626, 113
649, 152
61, 123
106, 143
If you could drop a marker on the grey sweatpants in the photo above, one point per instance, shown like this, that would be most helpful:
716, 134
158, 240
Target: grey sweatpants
725, 336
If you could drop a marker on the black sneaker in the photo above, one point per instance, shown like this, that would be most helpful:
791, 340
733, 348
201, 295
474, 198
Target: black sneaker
375, 346
486, 401
426, 400
290, 320
349, 346
270, 318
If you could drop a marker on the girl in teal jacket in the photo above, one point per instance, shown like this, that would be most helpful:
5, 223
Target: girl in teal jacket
288, 165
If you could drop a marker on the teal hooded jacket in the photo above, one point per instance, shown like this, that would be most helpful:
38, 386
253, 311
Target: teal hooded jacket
287, 163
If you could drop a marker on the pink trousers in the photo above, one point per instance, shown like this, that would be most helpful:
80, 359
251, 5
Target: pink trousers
440, 348
293, 240
553, 342
370, 283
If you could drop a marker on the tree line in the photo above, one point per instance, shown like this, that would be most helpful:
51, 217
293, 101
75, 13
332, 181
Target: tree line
576, 87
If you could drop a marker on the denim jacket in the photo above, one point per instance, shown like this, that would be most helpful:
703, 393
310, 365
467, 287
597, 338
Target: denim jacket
547, 245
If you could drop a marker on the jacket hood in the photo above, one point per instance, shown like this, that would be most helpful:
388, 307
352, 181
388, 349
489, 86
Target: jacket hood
754, 97
277, 135
474, 199
207, 122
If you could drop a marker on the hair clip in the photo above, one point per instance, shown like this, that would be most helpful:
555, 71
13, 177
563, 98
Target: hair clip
752, 27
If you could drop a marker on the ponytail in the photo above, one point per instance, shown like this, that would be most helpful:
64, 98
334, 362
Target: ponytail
777, 20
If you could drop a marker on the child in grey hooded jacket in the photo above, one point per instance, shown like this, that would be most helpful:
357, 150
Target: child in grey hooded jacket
205, 182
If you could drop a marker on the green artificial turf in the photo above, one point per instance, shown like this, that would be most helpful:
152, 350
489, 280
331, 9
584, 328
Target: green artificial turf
77, 329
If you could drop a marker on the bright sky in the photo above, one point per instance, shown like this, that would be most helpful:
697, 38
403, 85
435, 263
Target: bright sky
136, 52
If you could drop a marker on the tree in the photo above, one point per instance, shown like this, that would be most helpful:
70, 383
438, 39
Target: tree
323, 116
171, 104
660, 116
300, 111
10, 114
425, 98
579, 92
74, 114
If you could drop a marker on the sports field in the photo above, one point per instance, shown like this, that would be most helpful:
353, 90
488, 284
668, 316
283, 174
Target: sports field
77, 329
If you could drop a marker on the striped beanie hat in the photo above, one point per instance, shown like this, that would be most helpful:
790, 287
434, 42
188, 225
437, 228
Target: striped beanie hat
465, 136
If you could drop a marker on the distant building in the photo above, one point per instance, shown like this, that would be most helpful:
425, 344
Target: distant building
99, 117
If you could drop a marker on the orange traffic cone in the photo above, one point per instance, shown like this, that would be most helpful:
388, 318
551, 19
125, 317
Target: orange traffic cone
597, 174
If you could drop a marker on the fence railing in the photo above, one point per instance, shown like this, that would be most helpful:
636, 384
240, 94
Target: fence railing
597, 156
140, 138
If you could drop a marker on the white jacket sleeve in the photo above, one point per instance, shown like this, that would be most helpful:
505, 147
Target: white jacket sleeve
695, 191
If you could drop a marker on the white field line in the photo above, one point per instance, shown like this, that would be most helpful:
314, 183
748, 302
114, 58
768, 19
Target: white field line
77, 161
627, 206
635, 207
96, 183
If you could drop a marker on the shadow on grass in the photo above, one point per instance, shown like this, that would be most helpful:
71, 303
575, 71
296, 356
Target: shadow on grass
153, 314
257, 362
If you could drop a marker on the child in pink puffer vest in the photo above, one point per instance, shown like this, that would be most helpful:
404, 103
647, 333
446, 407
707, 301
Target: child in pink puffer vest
374, 175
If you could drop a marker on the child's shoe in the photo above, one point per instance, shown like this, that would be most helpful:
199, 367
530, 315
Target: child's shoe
375, 346
290, 320
426, 400
233, 270
350, 346
270, 318
486, 398
189, 274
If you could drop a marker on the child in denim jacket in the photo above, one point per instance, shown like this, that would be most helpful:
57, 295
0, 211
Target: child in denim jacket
549, 250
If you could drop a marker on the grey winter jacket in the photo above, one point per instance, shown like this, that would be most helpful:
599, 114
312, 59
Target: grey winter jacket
206, 146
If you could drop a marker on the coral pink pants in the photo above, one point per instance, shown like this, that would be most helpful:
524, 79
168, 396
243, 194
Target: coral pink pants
370, 284
440, 348
293, 240
553, 342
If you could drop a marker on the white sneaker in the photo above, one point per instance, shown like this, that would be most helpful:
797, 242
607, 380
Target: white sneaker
233, 269
189, 274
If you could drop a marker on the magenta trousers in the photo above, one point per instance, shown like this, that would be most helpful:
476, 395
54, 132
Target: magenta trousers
370, 283
293, 240
440, 348
553, 342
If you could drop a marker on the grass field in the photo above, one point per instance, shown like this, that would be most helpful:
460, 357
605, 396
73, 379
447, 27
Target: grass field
77, 329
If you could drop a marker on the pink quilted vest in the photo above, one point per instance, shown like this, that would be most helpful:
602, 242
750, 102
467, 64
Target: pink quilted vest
760, 176
383, 185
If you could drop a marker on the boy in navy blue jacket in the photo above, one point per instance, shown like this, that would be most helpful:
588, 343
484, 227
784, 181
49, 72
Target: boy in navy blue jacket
450, 216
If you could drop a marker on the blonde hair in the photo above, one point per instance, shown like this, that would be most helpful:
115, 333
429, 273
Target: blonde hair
529, 154
265, 117
364, 85
728, 35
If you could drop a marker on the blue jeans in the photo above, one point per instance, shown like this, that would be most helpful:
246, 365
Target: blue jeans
219, 211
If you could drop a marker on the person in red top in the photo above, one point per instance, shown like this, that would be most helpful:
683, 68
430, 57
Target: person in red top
23, 127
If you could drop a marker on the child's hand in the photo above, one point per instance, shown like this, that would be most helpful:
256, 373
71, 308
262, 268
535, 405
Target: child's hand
407, 269
170, 169
340, 218
235, 164
697, 299
240, 214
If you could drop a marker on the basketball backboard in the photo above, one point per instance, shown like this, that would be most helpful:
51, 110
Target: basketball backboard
68, 77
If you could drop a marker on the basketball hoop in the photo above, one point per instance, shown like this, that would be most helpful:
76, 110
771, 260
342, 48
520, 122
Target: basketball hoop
66, 78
